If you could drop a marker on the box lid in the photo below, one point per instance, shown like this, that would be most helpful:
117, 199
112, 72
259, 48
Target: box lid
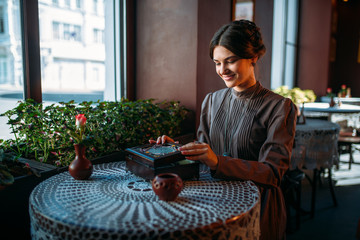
156, 154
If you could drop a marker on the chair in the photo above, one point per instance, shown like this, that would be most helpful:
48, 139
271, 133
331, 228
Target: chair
291, 188
346, 143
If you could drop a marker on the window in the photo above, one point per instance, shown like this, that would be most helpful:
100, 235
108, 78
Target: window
98, 36
283, 62
2, 27
76, 34
78, 4
11, 70
95, 6
67, 3
3, 70
75, 61
56, 30
66, 31
67, 66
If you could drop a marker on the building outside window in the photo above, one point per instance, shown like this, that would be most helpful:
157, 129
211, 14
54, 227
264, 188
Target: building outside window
72, 66
98, 36
3, 70
56, 30
95, 6
2, 29
11, 71
67, 3
66, 31
78, 4
69, 56
76, 34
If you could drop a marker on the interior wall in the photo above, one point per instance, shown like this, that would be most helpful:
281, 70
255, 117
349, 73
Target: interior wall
263, 18
314, 45
172, 49
166, 50
209, 21
345, 69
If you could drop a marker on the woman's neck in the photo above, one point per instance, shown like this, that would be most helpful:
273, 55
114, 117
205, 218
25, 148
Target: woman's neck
245, 85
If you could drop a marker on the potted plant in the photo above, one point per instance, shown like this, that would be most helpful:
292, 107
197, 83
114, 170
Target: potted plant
45, 133
298, 97
43, 142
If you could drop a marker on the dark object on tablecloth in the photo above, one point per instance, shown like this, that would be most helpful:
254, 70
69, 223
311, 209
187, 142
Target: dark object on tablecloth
149, 160
167, 186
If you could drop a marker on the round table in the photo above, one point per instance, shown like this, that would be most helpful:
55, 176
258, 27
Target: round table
316, 149
347, 100
116, 204
325, 108
345, 112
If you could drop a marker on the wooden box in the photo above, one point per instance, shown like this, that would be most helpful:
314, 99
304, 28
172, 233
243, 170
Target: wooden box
149, 160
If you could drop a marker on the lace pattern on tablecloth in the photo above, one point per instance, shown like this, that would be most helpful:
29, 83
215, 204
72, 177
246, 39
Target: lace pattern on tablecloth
114, 204
315, 145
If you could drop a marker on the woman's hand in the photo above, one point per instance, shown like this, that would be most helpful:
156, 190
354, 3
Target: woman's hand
163, 139
200, 152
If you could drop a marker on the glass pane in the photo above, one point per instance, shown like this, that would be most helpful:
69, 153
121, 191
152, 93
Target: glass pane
11, 70
72, 50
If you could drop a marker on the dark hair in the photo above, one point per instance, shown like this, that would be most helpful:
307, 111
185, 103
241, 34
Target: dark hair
242, 38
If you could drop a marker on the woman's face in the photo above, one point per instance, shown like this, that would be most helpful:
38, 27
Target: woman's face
236, 72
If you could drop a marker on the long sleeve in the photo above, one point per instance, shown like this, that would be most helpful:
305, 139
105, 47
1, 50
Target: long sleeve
205, 119
274, 155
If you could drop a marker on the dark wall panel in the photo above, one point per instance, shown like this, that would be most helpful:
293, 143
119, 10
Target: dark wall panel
166, 50
212, 15
314, 45
346, 67
264, 20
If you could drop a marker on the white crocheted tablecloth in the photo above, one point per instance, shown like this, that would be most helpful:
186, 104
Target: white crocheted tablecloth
315, 145
116, 204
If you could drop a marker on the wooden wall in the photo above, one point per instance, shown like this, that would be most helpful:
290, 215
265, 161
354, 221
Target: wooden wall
166, 50
314, 45
345, 69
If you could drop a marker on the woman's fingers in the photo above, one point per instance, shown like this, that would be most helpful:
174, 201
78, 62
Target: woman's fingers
193, 145
196, 151
162, 139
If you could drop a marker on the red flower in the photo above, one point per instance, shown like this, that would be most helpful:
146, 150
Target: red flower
343, 86
79, 134
80, 120
328, 90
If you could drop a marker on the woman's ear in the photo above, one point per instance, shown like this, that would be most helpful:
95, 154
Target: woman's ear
254, 60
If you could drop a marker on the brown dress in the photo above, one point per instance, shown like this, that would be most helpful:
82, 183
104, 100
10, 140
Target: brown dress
256, 128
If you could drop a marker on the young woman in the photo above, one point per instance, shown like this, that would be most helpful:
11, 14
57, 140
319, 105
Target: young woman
246, 131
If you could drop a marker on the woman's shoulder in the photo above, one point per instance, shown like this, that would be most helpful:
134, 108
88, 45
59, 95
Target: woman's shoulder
272, 100
218, 94
272, 96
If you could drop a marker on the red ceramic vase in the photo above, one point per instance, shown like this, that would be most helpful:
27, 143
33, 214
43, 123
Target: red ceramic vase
80, 168
167, 186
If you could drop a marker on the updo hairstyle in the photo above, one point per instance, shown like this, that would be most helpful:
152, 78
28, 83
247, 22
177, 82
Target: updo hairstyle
241, 37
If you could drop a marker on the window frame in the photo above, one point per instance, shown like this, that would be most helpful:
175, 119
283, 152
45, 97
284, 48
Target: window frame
29, 14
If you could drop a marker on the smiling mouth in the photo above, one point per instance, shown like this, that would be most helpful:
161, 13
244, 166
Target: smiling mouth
228, 77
